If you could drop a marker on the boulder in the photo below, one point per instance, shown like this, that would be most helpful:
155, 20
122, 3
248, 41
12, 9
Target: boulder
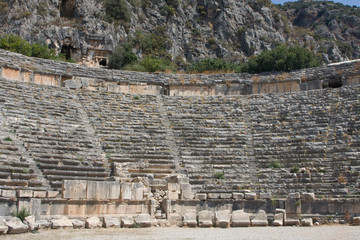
260, 219
16, 226
206, 218
78, 223
127, 221
62, 222
3, 227
222, 218
143, 220
356, 221
307, 222
190, 219
111, 222
30, 221
240, 218
93, 222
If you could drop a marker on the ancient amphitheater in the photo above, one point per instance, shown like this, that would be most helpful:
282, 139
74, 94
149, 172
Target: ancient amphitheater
96, 147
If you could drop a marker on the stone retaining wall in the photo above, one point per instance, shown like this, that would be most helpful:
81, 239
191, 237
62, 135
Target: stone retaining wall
20, 68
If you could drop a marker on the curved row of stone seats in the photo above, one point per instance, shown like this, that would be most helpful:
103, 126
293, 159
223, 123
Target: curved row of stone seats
49, 123
313, 135
213, 139
131, 132
307, 141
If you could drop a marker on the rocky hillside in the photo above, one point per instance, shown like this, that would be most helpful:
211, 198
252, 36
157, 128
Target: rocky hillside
186, 30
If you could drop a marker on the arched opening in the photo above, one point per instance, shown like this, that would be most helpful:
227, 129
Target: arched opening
67, 8
103, 62
335, 84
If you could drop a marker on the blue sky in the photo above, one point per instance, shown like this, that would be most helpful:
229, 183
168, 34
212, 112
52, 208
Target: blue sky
348, 2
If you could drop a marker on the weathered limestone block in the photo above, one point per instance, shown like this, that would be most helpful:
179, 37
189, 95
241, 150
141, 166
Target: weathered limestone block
278, 219
72, 84
175, 219
3, 227
213, 195
30, 221
62, 222
260, 219
250, 196
308, 196
292, 222
206, 218
173, 191
222, 218
240, 218
52, 194
137, 191
97, 190
74, 189
186, 192
93, 222
238, 195
127, 221
8, 193
143, 220
225, 195
78, 223
265, 195
190, 219
201, 196
114, 190
16, 226
307, 222
39, 194
111, 222
126, 191
44, 224
24, 193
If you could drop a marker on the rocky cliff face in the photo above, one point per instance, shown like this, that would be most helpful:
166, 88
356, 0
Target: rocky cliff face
232, 30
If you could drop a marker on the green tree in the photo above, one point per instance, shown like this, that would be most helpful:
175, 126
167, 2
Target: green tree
116, 10
122, 56
14, 43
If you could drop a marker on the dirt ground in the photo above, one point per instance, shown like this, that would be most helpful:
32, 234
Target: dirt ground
253, 233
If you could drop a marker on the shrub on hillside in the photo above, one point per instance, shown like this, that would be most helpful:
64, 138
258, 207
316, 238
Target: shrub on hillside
122, 56
283, 59
116, 10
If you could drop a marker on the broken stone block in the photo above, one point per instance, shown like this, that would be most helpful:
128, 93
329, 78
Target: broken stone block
111, 222
222, 218
206, 218
62, 222
143, 220
30, 221
292, 222
190, 219
250, 196
173, 191
3, 227
238, 195
16, 226
127, 221
44, 224
186, 192
260, 219
278, 219
93, 222
175, 219
201, 196
213, 195
239, 218
52, 194
307, 222
39, 194
78, 223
